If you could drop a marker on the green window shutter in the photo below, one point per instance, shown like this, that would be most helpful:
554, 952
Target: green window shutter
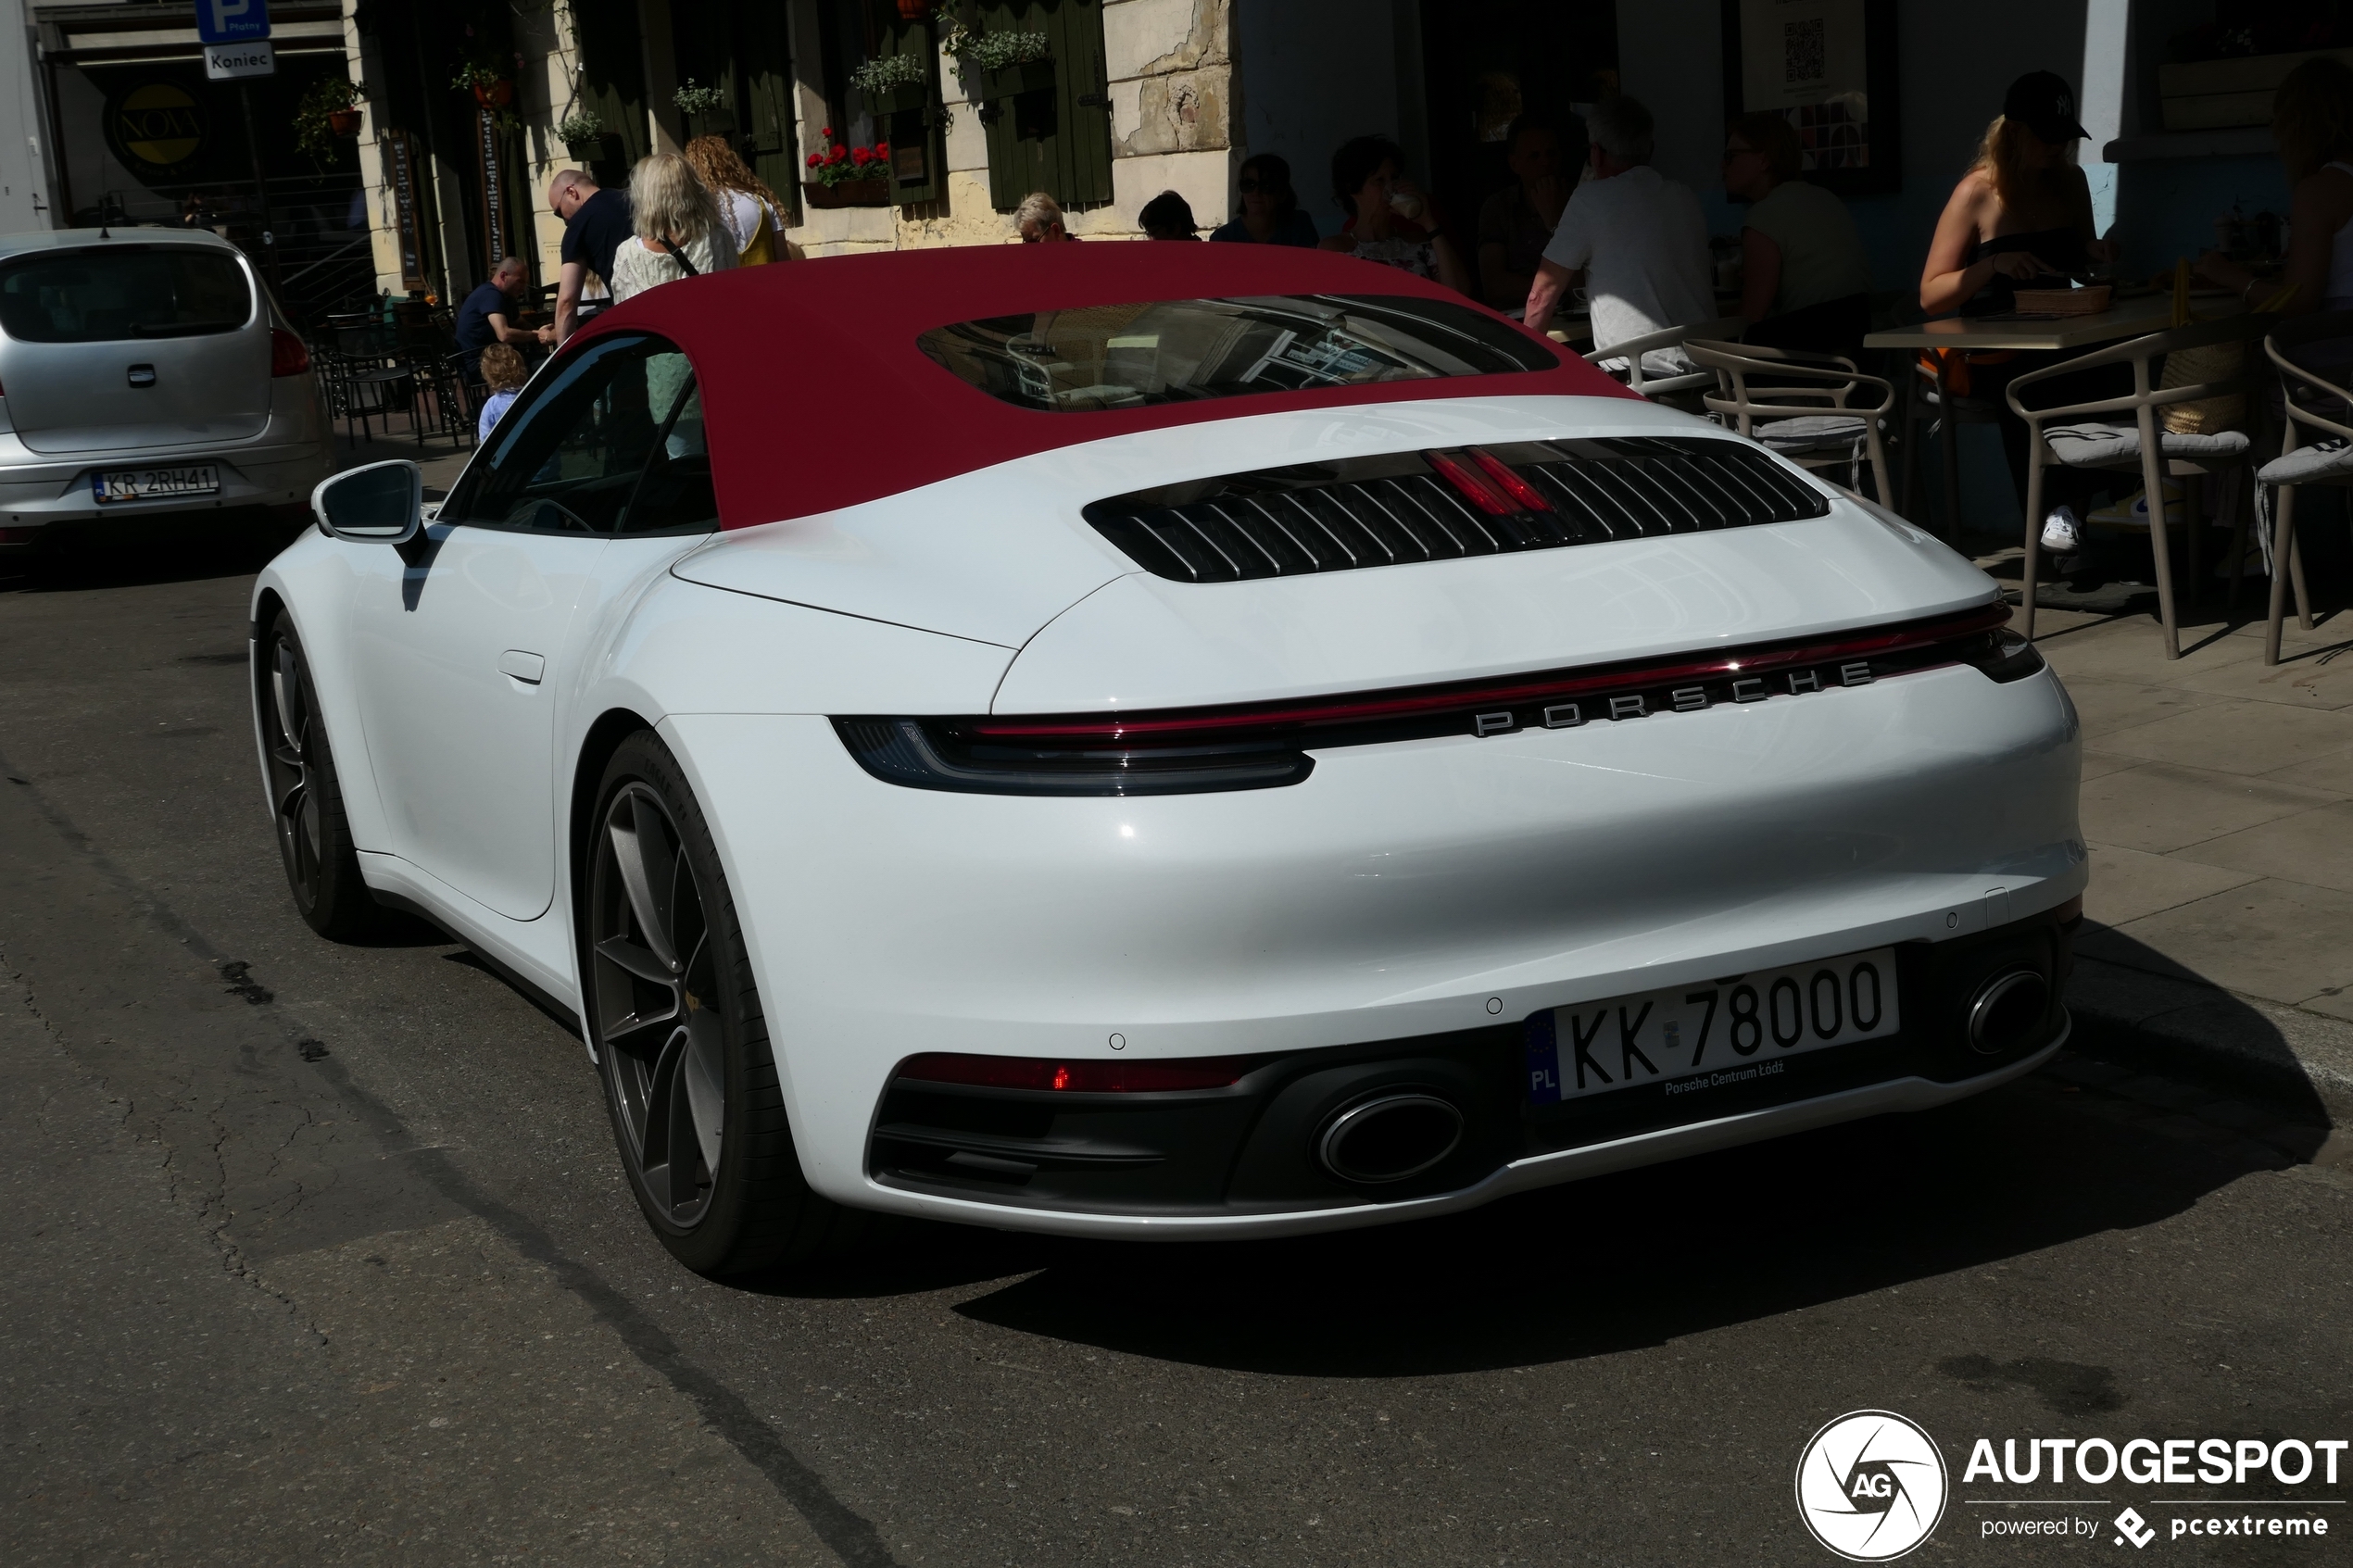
766, 63
612, 82
1055, 139
916, 131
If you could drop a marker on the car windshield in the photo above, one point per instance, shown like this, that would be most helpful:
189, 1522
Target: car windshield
132, 292
1181, 350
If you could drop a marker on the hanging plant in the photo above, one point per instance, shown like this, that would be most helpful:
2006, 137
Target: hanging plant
691, 99
1006, 62
879, 77
583, 133
325, 113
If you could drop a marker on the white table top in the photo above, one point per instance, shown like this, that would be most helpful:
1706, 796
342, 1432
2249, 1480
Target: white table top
2130, 318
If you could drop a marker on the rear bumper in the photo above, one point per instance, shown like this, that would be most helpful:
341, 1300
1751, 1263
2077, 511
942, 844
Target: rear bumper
41, 492
1402, 895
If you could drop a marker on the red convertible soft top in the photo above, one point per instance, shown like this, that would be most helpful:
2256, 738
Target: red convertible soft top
816, 396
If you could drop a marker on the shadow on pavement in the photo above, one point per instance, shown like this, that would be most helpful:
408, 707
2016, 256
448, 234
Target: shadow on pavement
1594, 1267
132, 552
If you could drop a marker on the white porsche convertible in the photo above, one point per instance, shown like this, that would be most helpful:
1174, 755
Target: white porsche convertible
1139, 741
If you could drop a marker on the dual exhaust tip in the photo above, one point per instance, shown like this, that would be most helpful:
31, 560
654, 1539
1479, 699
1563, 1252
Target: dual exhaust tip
1397, 1136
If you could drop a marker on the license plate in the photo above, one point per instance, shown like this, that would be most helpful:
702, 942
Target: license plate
1712, 1032
147, 484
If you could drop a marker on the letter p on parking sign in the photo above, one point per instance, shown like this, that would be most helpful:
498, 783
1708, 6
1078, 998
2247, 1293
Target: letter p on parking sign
231, 22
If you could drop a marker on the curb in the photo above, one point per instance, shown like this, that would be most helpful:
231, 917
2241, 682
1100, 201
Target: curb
2300, 1061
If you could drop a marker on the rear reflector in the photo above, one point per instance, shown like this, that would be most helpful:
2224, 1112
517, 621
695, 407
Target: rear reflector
288, 355
1076, 1077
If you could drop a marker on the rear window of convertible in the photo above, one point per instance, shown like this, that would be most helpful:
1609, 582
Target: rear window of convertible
123, 292
1184, 350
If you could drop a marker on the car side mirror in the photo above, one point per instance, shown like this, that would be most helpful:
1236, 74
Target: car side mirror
380, 504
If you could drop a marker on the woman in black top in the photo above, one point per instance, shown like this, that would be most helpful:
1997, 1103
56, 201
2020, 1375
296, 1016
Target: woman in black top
2021, 216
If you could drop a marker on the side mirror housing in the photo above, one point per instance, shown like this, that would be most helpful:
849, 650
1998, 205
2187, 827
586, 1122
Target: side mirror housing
379, 504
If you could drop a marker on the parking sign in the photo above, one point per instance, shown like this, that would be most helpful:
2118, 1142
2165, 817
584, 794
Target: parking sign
231, 22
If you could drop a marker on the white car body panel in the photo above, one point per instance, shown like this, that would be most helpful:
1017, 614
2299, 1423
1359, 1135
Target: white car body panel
1400, 890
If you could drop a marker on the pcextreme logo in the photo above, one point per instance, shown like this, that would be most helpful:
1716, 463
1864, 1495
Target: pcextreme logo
1871, 1485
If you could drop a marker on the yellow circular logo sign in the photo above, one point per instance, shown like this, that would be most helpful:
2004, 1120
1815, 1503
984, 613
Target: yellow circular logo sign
159, 124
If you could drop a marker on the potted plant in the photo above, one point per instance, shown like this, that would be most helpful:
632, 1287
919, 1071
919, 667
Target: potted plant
894, 82
705, 108
1005, 63
582, 133
844, 176
327, 111
914, 10
489, 86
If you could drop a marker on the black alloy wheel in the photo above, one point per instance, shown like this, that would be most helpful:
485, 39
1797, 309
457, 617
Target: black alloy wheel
681, 1043
306, 798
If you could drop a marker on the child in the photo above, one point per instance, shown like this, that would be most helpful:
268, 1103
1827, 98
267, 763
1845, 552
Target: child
504, 372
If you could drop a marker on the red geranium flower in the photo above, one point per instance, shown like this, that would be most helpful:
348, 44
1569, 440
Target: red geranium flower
815, 160
882, 149
827, 133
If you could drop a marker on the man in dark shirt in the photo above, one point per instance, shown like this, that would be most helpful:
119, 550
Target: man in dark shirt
596, 223
483, 319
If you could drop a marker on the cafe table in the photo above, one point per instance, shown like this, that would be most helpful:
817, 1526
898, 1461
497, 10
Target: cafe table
2035, 335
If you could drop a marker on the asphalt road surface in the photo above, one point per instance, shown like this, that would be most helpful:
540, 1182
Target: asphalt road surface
321, 1255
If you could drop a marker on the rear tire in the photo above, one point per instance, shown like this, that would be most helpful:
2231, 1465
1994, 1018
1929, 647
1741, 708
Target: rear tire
674, 1012
305, 798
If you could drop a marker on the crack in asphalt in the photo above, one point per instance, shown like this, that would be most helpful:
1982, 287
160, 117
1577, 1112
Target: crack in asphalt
849, 1534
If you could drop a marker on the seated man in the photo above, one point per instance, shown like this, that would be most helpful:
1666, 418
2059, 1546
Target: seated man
483, 319
1805, 282
1635, 238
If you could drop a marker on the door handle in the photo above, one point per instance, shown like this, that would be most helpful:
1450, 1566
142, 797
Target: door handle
528, 667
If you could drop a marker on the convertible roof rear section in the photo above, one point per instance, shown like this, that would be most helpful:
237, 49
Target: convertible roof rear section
817, 396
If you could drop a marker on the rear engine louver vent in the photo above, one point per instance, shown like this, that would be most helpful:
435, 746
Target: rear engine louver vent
1409, 508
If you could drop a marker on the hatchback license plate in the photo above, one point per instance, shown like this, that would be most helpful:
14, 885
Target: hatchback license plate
1710, 1033
147, 484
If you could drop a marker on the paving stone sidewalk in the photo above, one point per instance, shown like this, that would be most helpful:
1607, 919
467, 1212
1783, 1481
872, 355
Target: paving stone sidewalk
2218, 804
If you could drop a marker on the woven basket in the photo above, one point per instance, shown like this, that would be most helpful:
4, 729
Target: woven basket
2065, 301
2194, 367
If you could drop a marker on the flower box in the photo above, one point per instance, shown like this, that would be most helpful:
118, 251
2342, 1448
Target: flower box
898, 100
587, 149
1031, 76
848, 192
711, 122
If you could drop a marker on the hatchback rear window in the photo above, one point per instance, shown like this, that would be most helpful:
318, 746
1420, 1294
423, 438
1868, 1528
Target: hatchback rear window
131, 292
1183, 350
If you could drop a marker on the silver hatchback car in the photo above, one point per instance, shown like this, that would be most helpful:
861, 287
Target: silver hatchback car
147, 373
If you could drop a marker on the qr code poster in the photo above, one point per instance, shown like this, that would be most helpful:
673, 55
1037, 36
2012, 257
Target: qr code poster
1800, 53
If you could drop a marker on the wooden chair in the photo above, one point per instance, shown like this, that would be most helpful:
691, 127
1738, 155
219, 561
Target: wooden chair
2075, 436
2328, 459
1624, 361
1802, 411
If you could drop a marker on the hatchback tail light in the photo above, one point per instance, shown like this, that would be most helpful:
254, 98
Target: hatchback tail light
289, 355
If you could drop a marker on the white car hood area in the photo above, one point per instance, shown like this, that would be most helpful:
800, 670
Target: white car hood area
1005, 556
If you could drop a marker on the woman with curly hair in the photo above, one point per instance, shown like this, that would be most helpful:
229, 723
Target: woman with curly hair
753, 216
2313, 122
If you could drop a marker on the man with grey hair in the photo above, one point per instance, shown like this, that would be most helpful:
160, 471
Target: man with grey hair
1635, 239
1038, 219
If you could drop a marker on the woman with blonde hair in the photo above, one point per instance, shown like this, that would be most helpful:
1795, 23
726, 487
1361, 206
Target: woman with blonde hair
2022, 214
2313, 122
680, 233
746, 204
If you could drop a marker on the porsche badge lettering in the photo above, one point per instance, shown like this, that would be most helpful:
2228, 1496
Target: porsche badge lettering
1674, 699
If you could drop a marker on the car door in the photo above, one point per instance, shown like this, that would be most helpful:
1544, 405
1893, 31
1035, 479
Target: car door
464, 649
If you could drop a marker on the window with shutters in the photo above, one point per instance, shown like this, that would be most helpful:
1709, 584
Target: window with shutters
910, 117
612, 83
745, 52
1057, 138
